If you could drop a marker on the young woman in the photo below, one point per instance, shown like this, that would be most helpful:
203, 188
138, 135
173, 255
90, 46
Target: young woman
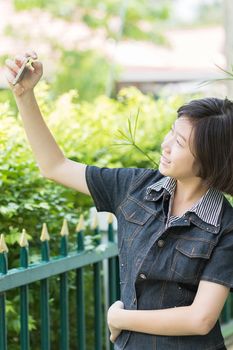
175, 226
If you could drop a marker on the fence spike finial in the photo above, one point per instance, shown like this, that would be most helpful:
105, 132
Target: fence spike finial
95, 221
65, 230
23, 242
110, 218
3, 246
44, 234
80, 225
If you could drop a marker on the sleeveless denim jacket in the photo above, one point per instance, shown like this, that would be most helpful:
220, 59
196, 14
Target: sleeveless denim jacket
161, 267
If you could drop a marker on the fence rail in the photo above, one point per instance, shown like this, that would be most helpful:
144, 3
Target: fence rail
103, 259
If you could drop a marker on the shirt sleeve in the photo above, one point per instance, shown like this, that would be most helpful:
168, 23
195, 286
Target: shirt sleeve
109, 186
219, 268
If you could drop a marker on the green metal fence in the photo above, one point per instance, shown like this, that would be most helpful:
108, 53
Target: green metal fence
47, 267
60, 266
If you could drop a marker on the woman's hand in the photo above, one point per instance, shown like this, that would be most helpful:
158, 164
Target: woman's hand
31, 77
113, 319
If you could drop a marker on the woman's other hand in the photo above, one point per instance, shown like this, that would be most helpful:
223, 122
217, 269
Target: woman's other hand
31, 77
113, 318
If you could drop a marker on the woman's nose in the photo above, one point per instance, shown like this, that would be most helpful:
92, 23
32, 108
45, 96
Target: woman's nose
165, 145
165, 142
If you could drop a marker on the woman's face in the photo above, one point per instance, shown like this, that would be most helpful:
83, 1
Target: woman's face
176, 149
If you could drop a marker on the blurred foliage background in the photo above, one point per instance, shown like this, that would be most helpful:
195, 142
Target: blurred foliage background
101, 14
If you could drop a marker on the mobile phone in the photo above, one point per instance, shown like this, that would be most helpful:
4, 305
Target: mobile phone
22, 70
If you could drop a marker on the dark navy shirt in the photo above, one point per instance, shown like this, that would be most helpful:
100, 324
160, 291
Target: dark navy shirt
161, 265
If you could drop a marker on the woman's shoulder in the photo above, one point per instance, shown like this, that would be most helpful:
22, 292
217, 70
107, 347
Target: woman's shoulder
136, 174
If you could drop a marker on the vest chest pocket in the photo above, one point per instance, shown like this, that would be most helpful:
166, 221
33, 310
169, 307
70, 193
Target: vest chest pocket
132, 221
135, 213
190, 258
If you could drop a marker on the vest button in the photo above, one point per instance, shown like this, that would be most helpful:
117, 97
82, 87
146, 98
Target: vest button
161, 243
142, 276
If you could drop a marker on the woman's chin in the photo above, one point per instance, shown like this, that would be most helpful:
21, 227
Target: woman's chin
163, 169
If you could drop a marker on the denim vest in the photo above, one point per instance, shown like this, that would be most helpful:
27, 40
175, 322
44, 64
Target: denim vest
161, 267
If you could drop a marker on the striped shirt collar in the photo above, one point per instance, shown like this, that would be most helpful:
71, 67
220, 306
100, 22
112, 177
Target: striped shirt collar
208, 207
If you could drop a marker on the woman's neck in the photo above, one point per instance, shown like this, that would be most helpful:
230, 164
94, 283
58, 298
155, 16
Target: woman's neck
189, 191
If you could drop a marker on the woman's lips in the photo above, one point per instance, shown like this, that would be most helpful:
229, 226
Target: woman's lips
164, 160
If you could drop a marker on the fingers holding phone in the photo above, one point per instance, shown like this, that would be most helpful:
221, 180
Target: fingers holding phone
27, 64
23, 72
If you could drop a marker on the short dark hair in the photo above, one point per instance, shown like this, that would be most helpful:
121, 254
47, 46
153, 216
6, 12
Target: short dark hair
212, 120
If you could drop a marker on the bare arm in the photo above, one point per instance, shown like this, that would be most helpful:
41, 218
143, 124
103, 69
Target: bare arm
196, 319
172, 321
51, 160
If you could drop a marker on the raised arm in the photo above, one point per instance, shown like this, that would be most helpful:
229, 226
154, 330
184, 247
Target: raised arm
50, 158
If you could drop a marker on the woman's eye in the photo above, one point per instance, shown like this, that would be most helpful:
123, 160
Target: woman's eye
172, 131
